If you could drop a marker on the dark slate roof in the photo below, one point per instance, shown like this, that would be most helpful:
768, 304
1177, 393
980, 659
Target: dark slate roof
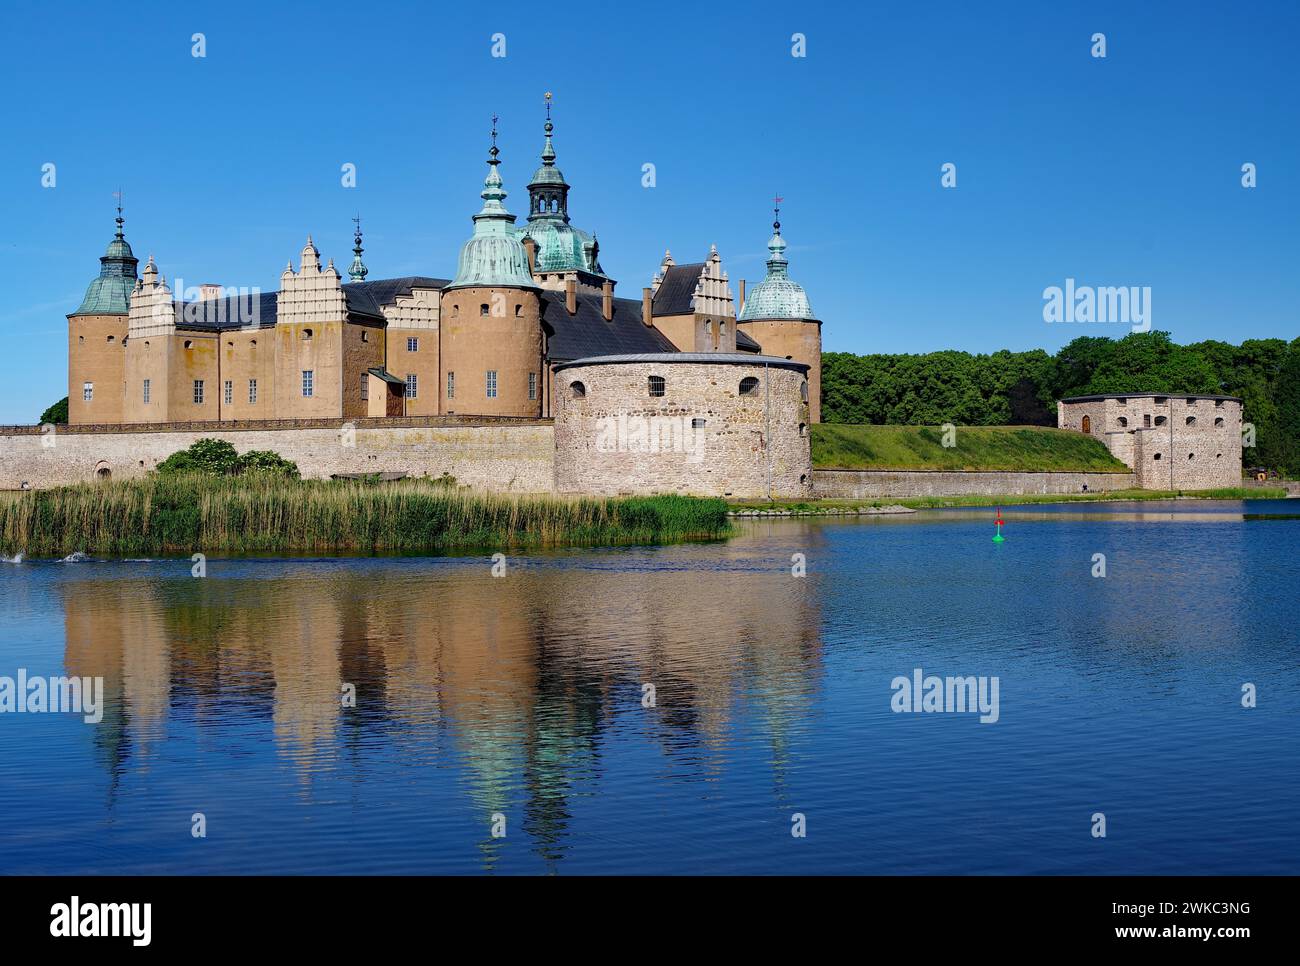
1148, 395
365, 298
676, 291
588, 334
231, 312
364, 301
686, 358
744, 343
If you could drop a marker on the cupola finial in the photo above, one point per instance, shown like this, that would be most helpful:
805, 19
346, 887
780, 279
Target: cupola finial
118, 195
357, 271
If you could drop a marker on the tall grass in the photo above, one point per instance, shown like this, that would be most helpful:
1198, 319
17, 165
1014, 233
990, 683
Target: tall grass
263, 513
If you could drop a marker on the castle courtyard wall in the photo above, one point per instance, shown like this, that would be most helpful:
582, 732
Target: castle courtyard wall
870, 484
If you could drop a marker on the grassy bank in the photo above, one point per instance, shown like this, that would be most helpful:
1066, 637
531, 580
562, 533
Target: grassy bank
1010, 499
994, 448
187, 514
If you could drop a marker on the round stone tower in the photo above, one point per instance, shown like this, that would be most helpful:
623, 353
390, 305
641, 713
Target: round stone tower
492, 359
776, 314
97, 338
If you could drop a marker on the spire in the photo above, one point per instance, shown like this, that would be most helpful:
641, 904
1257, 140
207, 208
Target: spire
777, 296
548, 195
357, 271
110, 292
494, 255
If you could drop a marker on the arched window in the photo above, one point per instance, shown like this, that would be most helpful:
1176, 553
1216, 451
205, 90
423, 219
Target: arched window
306, 335
803, 391
803, 429
1087, 424
1161, 420
1123, 422
483, 309
189, 344
657, 385
519, 310
1218, 422
1191, 420
749, 386
578, 389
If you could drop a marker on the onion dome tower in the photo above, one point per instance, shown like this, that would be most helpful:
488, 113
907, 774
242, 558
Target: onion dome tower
562, 250
777, 315
357, 271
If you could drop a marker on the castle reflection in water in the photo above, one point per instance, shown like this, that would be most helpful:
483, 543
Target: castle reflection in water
517, 678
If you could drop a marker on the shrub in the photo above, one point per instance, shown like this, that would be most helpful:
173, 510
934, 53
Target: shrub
216, 457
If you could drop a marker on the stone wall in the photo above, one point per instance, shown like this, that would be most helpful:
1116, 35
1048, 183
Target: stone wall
869, 484
702, 436
516, 456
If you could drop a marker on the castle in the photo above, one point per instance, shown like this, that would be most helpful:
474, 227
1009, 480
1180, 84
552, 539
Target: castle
524, 300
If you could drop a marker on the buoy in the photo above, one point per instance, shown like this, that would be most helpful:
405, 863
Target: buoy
997, 537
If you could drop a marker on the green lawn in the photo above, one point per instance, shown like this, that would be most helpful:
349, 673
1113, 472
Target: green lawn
1003, 448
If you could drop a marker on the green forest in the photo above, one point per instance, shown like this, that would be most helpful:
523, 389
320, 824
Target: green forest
1021, 388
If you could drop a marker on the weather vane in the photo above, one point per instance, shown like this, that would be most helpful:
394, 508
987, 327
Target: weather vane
776, 210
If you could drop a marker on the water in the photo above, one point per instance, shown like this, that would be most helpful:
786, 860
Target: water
523, 695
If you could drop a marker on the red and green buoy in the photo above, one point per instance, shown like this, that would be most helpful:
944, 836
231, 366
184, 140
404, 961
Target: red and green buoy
997, 537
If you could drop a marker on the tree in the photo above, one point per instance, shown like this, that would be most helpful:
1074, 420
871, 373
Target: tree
56, 414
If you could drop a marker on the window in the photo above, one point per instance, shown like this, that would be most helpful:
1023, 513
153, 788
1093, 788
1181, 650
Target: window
229, 392
1161, 420
803, 391
1086, 425
492, 384
1123, 421
1218, 404
532, 385
451, 385
306, 335
81, 340
198, 392
483, 309
519, 310
1156, 457
111, 340
803, 429
146, 387
412, 344
657, 385
1191, 455
578, 390
87, 391
189, 344
1161, 400
308, 382
365, 386
365, 336
1146, 420
697, 423
412, 386
252, 390
1218, 421
1191, 421
749, 386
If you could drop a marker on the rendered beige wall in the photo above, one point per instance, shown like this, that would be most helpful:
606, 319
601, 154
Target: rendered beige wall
509, 344
93, 358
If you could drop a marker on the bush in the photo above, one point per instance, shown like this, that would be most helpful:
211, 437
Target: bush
216, 457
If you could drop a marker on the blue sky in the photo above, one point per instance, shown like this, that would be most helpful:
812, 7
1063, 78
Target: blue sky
1117, 171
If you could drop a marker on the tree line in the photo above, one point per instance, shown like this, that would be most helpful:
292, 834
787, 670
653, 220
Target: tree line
1021, 388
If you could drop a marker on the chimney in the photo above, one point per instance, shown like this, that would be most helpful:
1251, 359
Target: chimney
740, 307
646, 313
607, 301
530, 248
571, 295
209, 291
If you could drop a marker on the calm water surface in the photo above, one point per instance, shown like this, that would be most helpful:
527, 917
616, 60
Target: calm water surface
522, 695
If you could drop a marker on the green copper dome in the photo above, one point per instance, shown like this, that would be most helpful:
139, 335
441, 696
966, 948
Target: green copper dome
560, 246
777, 296
110, 293
494, 254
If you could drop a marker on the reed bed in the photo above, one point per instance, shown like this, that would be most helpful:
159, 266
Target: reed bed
187, 514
